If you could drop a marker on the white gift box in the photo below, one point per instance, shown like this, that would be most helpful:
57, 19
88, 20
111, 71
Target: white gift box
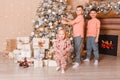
38, 63
23, 46
18, 58
16, 52
52, 63
39, 53
24, 50
23, 42
26, 47
23, 39
35, 42
44, 43
45, 62
17, 55
19, 45
26, 53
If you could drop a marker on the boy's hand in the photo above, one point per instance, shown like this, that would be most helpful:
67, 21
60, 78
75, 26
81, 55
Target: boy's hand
64, 18
96, 40
63, 21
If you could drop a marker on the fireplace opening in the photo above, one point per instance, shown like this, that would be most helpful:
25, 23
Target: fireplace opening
108, 44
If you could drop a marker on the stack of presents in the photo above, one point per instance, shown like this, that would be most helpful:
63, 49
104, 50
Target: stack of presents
36, 52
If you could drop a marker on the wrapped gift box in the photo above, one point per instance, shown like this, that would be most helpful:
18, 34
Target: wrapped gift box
38, 63
35, 42
45, 62
41, 43
26, 46
23, 46
26, 53
23, 42
23, 39
19, 45
26, 50
17, 55
39, 53
52, 63
16, 52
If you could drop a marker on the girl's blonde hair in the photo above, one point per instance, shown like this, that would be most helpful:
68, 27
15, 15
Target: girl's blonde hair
63, 31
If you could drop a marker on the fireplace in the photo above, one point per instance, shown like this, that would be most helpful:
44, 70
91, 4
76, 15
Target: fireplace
111, 27
108, 44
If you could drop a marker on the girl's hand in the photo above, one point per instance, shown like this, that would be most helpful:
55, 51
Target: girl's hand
64, 53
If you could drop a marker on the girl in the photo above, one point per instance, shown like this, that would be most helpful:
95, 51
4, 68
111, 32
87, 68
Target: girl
62, 47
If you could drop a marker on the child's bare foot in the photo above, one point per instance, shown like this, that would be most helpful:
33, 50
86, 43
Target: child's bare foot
58, 68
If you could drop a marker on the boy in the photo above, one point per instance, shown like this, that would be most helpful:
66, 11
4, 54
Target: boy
78, 33
93, 30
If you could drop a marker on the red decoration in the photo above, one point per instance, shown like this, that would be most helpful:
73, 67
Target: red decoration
107, 44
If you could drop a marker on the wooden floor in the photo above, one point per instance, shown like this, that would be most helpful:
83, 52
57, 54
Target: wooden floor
108, 69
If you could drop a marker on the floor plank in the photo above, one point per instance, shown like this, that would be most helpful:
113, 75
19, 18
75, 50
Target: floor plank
108, 69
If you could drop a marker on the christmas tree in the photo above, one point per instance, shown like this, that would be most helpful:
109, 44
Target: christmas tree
49, 15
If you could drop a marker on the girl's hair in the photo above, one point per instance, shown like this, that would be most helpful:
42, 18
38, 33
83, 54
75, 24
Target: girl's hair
79, 6
63, 31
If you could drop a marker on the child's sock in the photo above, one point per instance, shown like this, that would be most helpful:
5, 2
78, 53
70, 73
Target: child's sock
62, 71
96, 62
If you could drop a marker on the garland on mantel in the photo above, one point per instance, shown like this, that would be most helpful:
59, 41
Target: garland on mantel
104, 7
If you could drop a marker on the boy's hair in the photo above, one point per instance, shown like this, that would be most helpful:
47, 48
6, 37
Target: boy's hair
93, 10
79, 6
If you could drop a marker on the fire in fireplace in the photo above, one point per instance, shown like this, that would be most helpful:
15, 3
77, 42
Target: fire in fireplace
108, 44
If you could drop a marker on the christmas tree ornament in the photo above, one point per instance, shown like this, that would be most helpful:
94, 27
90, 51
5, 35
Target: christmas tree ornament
51, 27
104, 7
49, 11
50, 24
40, 20
36, 26
69, 7
32, 33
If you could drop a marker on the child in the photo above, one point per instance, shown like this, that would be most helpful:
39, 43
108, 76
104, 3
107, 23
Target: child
93, 29
78, 33
61, 46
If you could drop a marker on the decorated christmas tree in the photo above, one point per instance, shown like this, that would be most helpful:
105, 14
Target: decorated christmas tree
49, 15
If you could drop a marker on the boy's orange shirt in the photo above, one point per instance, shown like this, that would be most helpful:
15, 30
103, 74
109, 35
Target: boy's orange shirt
92, 27
78, 27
